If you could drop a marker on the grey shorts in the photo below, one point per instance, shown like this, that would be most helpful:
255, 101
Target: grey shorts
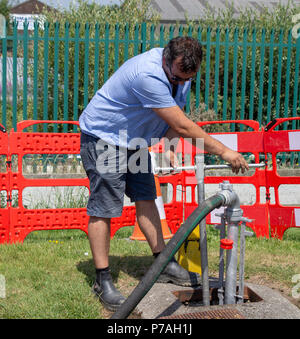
110, 177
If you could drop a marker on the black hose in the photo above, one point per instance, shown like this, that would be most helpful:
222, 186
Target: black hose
166, 255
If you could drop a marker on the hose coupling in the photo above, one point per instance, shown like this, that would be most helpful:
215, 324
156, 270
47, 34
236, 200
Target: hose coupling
227, 193
231, 200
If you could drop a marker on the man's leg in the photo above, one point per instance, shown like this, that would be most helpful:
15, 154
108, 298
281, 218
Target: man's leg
105, 202
150, 224
99, 237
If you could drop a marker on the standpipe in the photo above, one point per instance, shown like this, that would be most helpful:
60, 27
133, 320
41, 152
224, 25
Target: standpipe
233, 218
225, 197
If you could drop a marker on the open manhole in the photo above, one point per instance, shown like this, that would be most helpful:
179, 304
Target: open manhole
195, 296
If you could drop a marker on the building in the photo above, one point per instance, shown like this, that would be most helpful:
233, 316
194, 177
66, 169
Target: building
28, 10
173, 11
29, 7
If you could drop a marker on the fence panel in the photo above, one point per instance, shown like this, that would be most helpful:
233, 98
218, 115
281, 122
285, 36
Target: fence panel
52, 71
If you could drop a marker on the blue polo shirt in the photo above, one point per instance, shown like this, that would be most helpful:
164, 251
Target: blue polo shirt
123, 105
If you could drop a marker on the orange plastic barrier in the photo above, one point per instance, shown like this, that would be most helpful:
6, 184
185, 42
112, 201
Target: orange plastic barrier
275, 141
245, 142
22, 221
4, 187
17, 221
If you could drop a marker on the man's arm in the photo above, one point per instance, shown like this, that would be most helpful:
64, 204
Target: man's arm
185, 128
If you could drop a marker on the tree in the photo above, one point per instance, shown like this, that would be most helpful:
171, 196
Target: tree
5, 8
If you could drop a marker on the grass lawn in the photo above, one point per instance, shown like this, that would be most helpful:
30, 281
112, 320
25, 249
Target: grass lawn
50, 275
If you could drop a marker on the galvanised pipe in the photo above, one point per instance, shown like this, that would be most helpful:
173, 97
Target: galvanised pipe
242, 264
243, 236
221, 263
206, 167
199, 161
231, 271
233, 214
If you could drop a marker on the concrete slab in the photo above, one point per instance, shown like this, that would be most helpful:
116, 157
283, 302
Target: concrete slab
161, 302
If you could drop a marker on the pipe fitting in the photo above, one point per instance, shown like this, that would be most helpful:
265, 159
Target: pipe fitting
229, 196
233, 212
226, 244
226, 196
226, 185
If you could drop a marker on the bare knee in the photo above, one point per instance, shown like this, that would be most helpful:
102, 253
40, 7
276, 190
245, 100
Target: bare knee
98, 220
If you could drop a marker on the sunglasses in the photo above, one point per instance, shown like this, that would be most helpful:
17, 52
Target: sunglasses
177, 78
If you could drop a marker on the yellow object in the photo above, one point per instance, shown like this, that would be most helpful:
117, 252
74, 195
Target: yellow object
189, 252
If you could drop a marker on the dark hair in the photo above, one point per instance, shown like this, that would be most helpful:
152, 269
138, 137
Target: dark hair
186, 47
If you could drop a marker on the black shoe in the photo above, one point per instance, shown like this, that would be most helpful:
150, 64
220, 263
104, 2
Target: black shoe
177, 275
108, 295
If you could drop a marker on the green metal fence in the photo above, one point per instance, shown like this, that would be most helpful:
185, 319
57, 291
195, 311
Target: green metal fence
52, 72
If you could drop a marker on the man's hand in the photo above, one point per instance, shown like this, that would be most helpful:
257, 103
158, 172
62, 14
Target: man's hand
236, 160
182, 126
171, 158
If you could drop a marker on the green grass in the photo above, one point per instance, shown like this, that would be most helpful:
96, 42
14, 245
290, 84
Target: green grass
50, 275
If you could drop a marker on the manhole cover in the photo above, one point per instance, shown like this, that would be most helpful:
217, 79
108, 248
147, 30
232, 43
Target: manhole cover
215, 314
